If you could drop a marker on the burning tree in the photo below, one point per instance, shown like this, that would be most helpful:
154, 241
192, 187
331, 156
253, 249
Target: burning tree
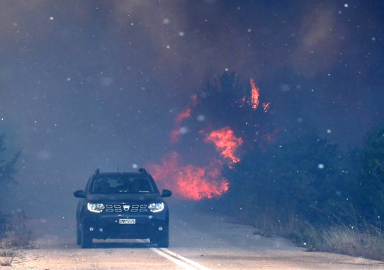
214, 130
224, 107
227, 103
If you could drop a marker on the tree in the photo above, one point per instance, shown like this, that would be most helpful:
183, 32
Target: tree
7, 168
7, 173
225, 102
369, 188
300, 176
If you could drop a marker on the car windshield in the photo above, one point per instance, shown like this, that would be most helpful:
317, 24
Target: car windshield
121, 184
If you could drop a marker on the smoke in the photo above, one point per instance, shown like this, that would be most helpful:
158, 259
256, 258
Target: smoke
87, 84
320, 40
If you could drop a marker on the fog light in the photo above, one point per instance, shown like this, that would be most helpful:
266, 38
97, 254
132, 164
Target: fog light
91, 229
160, 228
101, 229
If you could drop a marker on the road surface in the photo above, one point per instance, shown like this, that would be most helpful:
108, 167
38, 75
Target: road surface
199, 240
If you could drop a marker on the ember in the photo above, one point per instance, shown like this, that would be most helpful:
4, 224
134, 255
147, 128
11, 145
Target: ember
266, 106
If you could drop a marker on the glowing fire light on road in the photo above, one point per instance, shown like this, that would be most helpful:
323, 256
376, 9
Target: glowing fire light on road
254, 95
225, 142
189, 182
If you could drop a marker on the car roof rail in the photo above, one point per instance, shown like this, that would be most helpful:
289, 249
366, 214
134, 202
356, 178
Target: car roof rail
143, 171
97, 171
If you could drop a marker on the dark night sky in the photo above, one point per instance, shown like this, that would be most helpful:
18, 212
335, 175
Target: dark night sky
87, 84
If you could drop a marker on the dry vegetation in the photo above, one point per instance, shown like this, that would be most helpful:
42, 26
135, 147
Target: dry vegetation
364, 240
350, 241
367, 242
7, 253
17, 235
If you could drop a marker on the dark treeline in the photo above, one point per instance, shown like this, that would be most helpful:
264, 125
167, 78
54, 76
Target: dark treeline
290, 177
306, 179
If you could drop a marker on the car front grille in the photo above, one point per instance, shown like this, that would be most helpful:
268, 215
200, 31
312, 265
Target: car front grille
123, 208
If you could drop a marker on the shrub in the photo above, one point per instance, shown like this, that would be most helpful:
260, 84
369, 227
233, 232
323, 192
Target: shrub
17, 233
7, 254
350, 241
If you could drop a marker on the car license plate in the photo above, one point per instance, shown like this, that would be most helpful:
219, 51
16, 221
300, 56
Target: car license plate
127, 221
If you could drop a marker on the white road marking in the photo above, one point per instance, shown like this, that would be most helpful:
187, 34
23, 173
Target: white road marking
199, 266
177, 259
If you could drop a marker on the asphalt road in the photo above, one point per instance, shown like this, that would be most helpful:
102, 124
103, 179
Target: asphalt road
199, 240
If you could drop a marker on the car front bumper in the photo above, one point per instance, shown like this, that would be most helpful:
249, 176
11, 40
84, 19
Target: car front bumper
103, 226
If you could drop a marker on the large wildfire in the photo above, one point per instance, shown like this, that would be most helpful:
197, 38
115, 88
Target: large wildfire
193, 182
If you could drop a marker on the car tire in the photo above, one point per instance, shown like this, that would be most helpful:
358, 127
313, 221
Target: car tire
78, 237
86, 239
163, 241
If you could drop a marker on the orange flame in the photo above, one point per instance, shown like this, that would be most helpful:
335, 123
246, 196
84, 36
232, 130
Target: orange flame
189, 182
183, 115
178, 119
255, 95
225, 142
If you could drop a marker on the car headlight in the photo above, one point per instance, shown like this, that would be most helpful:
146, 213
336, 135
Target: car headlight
156, 207
95, 207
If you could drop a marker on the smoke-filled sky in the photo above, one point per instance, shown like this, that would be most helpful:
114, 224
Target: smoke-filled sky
88, 84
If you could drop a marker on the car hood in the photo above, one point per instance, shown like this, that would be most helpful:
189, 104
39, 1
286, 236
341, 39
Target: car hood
124, 197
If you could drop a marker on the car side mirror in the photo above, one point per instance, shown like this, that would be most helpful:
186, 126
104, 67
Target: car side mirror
166, 193
79, 194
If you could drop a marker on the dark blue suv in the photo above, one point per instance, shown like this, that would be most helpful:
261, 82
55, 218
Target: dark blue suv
122, 205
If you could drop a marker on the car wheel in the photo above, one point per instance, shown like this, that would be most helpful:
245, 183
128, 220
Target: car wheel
152, 240
78, 237
86, 239
163, 241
